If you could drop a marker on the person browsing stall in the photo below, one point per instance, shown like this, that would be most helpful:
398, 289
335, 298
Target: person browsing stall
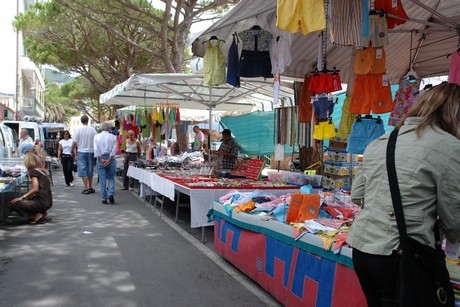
428, 171
199, 139
105, 147
83, 144
35, 203
228, 150
132, 153
66, 155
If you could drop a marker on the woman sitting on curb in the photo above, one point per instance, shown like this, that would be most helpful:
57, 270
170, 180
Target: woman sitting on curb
37, 200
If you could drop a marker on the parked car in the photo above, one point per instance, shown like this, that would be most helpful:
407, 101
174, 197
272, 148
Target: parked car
35, 129
8, 141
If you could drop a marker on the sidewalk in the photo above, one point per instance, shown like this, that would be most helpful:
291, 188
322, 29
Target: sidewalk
91, 254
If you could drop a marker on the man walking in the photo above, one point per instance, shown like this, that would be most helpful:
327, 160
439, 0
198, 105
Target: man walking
84, 144
105, 145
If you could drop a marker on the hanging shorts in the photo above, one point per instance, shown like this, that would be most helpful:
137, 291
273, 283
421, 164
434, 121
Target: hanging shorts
325, 83
255, 64
305, 107
370, 61
324, 130
379, 31
394, 9
300, 16
363, 133
371, 93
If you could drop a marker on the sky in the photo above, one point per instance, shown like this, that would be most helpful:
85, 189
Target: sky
8, 52
8, 40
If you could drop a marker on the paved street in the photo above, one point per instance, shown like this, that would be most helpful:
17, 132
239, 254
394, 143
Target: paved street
91, 254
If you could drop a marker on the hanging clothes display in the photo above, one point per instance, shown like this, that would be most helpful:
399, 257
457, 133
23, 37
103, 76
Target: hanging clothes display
372, 91
454, 69
323, 106
405, 97
325, 83
285, 125
280, 56
345, 23
394, 8
305, 106
255, 55
233, 63
363, 132
304, 16
346, 120
378, 31
213, 64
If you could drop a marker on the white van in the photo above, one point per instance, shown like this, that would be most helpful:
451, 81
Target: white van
35, 129
8, 141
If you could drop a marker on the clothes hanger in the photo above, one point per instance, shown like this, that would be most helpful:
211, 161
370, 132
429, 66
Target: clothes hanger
213, 38
411, 74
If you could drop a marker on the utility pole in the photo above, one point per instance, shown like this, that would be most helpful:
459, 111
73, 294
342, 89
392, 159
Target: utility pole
17, 65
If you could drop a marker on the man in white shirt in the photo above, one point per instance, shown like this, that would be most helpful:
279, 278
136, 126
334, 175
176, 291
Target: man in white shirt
199, 139
84, 145
24, 138
105, 146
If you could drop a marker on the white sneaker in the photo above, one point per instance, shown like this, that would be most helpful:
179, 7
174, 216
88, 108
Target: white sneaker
131, 189
71, 184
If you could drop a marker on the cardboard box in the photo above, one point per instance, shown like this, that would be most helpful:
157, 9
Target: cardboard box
338, 144
339, 168
335, 182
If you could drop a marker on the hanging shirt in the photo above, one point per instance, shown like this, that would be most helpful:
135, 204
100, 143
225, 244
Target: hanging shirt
323, 106
255, 39
454, 70
214, 65
393, 8
233, 76
406, 96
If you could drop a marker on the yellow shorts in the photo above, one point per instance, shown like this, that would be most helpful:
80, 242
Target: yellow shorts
301, 16
324, 130
370, 61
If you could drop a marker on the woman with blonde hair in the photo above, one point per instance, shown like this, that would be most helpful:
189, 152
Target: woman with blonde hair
35, 203
427, 164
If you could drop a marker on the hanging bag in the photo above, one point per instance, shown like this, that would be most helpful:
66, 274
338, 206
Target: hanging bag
422, 278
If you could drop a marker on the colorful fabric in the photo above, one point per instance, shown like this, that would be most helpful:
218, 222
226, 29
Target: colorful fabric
345, 25
304, 16
405, 97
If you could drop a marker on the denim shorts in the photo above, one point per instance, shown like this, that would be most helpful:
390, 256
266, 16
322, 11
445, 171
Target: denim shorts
362, 134
85, 163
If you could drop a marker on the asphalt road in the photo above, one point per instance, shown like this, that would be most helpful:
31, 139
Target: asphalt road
91, 254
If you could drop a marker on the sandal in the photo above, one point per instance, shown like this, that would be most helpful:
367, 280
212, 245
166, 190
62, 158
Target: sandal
91, 190
85, 192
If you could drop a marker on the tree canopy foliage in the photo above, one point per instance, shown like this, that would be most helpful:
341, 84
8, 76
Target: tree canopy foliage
106, 41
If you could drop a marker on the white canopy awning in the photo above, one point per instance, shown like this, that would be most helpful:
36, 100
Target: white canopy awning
187, 91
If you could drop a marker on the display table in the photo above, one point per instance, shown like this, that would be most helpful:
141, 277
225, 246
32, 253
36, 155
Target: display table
296, 272
9, 189
201, 197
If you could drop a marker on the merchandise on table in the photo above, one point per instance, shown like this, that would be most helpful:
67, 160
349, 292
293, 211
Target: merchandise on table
294, 178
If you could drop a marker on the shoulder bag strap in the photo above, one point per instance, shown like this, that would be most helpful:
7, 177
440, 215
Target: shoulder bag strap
394, 189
